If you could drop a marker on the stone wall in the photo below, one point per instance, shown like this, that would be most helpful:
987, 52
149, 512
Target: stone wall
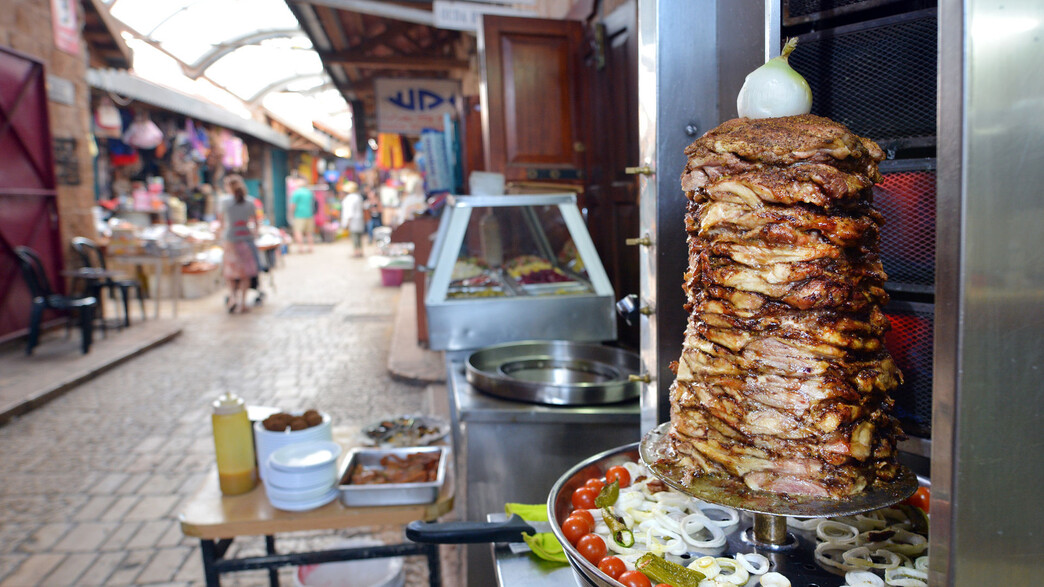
25, 26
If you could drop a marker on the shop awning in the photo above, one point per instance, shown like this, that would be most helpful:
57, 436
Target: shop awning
130, 86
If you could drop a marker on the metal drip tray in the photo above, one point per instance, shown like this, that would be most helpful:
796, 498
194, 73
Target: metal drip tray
555, 372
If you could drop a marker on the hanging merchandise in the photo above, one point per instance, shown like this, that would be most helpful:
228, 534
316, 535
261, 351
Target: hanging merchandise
389, 151
199, 141
233, 147
439, 177
107, 121
143, 133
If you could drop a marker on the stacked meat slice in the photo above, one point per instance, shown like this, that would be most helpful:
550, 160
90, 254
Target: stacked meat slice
783, 379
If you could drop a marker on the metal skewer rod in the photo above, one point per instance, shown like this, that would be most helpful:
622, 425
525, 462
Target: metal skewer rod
770, 529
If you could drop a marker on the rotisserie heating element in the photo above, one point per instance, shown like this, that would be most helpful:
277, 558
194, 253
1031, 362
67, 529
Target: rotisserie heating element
784, 379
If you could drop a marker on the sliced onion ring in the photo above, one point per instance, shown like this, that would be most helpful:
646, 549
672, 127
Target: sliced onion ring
863, 579
803, 523
737, 575
829, 554
748, 560
861, 557
831, 531
774, 579
906, 577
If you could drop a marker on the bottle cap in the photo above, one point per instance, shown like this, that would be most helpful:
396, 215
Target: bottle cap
229, 403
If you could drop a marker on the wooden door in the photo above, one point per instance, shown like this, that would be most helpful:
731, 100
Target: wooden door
612, 195
28, 201
532, 98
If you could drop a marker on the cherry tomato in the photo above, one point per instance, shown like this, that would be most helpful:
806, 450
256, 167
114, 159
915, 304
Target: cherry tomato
585, 515
612, 566
584, 498
596, 483
920, 498
592, 547
618, 474
662, 585
634, 579
575, 528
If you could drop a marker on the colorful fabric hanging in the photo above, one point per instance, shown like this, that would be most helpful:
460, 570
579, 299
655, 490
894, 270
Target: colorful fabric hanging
389, 151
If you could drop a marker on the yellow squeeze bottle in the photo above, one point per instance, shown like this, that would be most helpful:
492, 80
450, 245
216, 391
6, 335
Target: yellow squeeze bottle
233, 445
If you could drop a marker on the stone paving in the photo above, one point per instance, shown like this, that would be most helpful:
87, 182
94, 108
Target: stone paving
93, 480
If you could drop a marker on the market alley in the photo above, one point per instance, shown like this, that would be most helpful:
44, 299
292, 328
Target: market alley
94, 480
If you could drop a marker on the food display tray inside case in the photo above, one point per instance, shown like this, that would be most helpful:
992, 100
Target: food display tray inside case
378, 494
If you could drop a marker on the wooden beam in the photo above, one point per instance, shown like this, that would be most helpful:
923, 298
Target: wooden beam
361, 60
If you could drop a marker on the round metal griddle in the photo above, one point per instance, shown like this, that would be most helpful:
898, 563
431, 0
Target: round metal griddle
769, 509
656, 454
556, 372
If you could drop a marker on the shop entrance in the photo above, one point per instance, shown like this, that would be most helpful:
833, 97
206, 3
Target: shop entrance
28, 201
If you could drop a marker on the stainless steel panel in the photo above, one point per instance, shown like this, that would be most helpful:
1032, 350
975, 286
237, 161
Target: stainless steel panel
693, 58
514, 452
471, 324
987, 462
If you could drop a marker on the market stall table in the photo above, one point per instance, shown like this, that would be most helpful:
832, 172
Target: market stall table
162, 265
217, 520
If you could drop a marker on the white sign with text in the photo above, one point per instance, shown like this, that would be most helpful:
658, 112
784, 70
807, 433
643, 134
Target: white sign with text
409, 105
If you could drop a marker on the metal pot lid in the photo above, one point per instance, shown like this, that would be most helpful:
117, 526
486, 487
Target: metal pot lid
556, 372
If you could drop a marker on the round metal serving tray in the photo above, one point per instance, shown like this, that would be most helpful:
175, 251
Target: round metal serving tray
657, 455
556, 372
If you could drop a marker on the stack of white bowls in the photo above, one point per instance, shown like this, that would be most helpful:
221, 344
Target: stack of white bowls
302, 476
266, 441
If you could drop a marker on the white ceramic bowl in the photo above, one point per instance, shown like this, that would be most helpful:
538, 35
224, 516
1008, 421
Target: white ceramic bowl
304, 457
266, 442
301, 494
298, 481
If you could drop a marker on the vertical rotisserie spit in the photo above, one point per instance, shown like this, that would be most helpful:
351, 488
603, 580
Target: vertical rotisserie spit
783, 379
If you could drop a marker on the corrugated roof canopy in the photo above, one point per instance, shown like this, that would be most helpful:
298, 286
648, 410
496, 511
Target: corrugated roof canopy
243, 55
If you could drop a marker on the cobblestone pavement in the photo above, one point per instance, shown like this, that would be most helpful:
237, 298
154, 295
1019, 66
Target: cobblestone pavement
93, 481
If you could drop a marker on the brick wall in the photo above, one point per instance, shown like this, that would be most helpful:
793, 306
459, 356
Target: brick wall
25, 26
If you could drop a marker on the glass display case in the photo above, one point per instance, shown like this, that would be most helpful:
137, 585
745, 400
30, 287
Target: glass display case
508, 268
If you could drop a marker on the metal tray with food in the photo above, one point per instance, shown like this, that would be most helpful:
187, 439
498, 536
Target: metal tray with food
393, 476
456, 292
405, 430
560, 288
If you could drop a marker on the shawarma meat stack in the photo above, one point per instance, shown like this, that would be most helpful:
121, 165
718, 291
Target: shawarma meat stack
783, 379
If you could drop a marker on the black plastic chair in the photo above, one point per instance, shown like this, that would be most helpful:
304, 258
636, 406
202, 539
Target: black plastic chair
44, 298
91, 256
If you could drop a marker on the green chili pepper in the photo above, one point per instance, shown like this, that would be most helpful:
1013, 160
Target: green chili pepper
622, 535
664, 571
608, 495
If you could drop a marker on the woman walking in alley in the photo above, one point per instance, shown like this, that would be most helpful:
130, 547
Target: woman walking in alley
238, 226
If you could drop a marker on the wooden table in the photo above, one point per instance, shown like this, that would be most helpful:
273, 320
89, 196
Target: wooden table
161, 264
217, 520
